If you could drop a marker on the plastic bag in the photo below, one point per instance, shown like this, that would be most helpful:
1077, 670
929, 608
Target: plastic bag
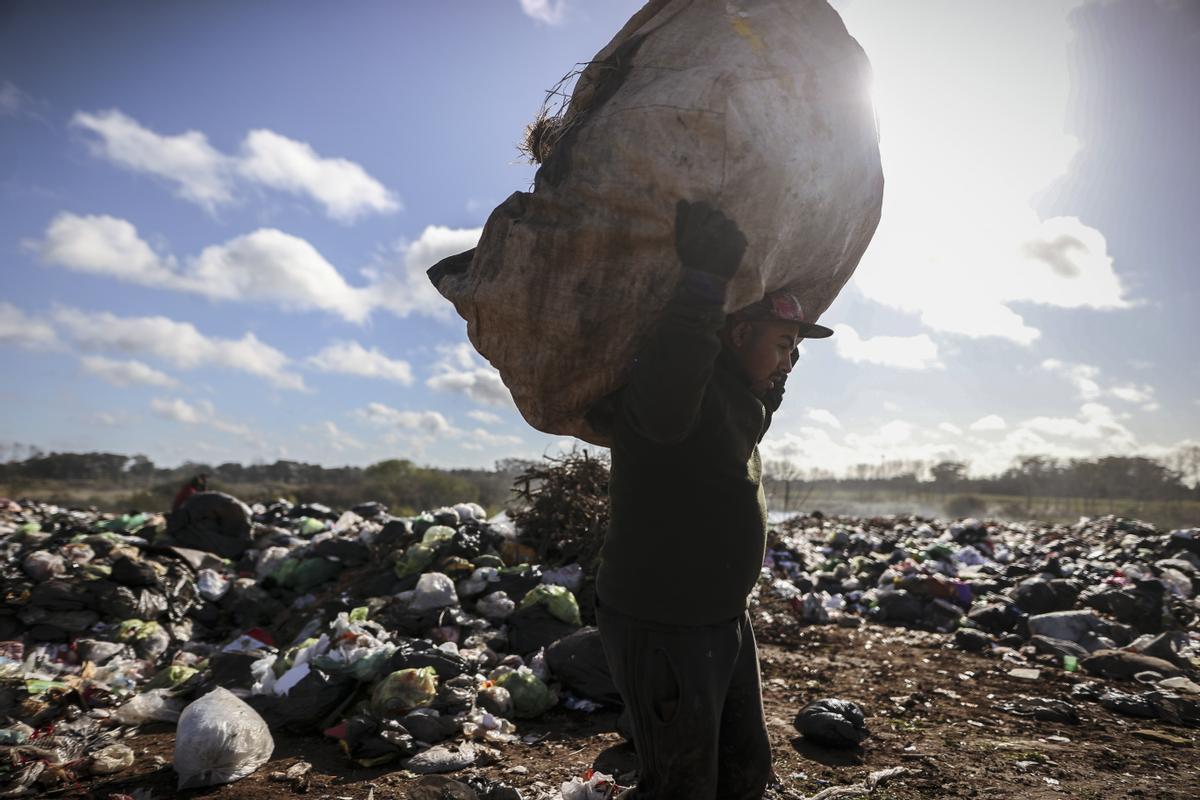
832, 723
113, 758
497, 605
593, 786
211, 584
434, 590
156, 705
403, 691
42, 565
531, 697
558, 601
220, 739
415, 559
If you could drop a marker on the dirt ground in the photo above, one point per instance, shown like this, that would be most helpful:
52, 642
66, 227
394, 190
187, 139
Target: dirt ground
930, 709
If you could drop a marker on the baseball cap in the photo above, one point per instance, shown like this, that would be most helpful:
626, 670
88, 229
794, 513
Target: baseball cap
782, 307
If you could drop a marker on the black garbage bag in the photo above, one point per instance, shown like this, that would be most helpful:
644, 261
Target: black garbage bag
128, 572
307, 704
213, 522
350, 552
832, 723
995, 617
369, 742
396, 534
1038, 596
516, 581
534, 627
1139, 605
370, 510
468, 542
59, 595
900, 606
578, 662
414, 654
124, 602
51, 623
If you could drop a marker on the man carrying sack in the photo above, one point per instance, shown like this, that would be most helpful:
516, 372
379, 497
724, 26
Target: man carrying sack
687, 534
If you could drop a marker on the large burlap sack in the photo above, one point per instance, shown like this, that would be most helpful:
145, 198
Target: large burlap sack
760, 108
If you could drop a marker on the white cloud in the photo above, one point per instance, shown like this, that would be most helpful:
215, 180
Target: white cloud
459, 370
428, 422
1095, 422
177, 343
126, 373
22, 330
398, 280
202, 413
479, 436
103, 245
824, 417
266, 265
200, 173
12, 99
343, 187
205, 176
950, 428
903, 352
992, 422
549, 11
335, 438
964, 150
486, 417
1138, 394
269, 264
351, 358
1086, 380
1083, 376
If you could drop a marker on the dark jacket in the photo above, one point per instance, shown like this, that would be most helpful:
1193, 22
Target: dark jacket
687, 532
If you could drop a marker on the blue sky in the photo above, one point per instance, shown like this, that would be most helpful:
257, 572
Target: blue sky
215, 220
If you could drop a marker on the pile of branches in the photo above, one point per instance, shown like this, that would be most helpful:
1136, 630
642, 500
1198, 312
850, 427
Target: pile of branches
562, 512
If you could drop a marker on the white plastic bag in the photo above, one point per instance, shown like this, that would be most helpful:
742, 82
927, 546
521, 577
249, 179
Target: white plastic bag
220, 739
434, 590
597, 787
156, 705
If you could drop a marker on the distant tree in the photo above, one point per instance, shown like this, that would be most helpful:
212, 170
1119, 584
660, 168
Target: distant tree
948, 474
786, 473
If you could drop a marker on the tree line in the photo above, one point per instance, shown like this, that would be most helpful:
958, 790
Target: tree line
118, 481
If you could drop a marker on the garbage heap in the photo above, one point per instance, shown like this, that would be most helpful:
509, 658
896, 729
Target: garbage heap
389, 634
1111, 597
423, 641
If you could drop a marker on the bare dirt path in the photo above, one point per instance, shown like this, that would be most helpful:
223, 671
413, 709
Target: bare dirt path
931, 709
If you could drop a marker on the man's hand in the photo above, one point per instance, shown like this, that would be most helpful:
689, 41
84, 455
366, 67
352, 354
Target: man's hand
773, 397
707, 240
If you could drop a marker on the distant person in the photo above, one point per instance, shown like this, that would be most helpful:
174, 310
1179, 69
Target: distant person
687, 532
198, 483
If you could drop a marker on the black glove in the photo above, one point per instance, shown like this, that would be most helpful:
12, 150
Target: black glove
707, 240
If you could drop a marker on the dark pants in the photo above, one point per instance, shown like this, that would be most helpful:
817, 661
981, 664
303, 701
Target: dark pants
694, 697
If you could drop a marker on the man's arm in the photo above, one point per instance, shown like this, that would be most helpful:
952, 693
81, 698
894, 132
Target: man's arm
666, 385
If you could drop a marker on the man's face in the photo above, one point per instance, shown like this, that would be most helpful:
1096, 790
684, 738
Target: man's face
764, 349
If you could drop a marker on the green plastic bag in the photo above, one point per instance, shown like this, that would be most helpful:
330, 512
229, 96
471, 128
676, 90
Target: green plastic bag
531, 697
558, 600
310, 526
415, 559
404, 690
170, 677
365, 669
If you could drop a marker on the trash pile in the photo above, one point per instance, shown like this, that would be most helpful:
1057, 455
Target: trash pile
391, 635
1111, 597
425, 641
